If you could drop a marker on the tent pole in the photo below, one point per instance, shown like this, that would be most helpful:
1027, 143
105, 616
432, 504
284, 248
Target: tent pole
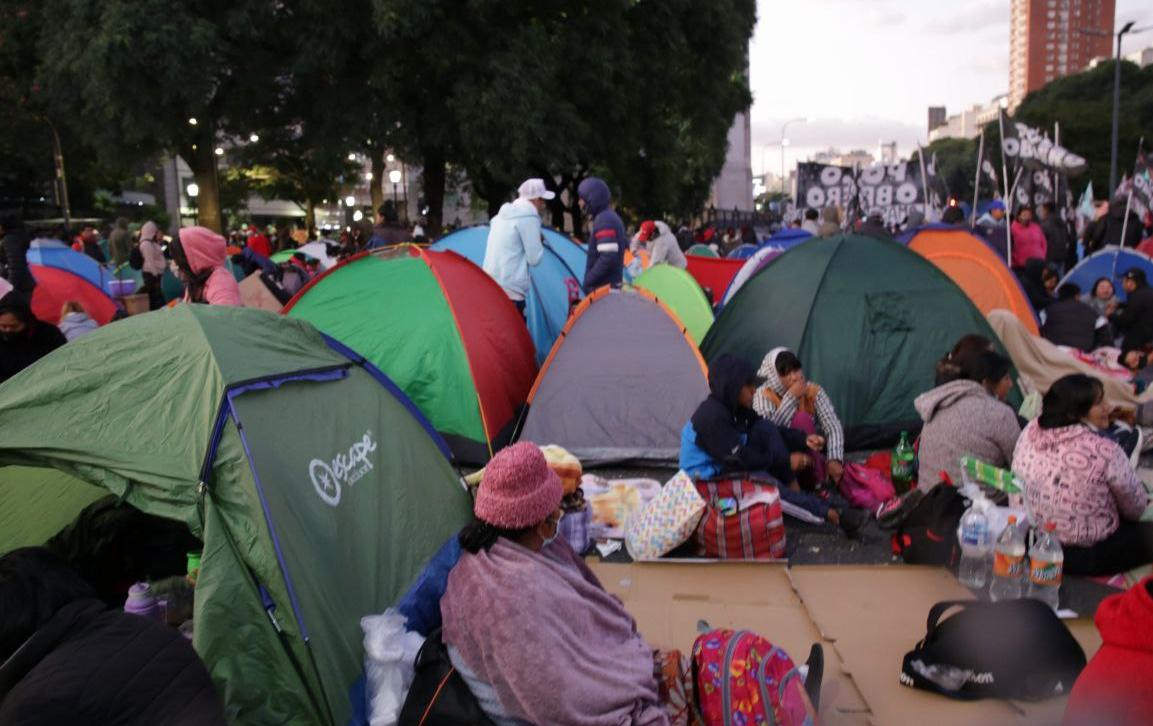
977, 179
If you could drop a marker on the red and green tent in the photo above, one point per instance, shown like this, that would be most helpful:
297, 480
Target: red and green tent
441, 329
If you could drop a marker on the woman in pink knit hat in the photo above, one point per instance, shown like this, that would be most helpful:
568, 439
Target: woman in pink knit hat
199, 255
528, 625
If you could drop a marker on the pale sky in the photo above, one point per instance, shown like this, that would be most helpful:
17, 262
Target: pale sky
861, 71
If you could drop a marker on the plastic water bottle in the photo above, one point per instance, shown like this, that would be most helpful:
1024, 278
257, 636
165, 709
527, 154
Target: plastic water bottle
1046, 562
901, 468
142, 602
1008, 563
974, 568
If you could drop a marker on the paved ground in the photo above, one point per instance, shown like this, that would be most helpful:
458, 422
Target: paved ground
826, 545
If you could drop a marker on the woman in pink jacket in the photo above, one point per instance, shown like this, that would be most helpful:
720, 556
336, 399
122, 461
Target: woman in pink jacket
1028, 239
1083, 482
199, 254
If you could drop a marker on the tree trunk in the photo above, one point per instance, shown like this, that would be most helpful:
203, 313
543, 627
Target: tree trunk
202, 161
310, 216
376, 186
556, 204
574, 207
432, 179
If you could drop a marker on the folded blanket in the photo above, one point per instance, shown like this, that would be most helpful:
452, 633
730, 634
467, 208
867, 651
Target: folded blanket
565, 465
1043, 362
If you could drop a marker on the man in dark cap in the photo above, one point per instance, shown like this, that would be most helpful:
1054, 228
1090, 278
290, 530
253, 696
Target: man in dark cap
1134, 321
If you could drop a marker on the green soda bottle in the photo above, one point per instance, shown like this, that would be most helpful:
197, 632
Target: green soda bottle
902, 465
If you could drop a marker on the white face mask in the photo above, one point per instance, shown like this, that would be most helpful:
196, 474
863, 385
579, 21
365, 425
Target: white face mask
545, 542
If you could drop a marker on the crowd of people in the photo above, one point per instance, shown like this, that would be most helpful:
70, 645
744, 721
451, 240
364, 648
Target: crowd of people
520, 608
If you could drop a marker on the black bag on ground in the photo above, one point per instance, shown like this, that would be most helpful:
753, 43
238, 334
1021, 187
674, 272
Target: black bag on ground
439, 696
1013, 649
928, 534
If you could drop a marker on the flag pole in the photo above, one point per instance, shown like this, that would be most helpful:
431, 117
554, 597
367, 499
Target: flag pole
977, 179
924, 180
1056, 174
1008, 199
1129, 201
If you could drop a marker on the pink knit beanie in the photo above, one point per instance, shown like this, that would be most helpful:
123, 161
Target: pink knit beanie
518, 490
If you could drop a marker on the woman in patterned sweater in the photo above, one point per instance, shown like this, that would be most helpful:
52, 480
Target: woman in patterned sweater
1083, 481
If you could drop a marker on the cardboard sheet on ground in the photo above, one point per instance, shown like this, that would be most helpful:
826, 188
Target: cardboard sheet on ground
668, 599
872, 615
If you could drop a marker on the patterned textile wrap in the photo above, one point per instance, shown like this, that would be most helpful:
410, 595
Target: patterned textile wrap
667, 521
743, 520
744, 679
674, 674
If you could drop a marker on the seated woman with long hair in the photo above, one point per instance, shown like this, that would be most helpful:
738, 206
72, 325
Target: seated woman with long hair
1083, 482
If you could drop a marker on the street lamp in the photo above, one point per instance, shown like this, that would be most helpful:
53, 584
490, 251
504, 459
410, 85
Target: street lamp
1128, 27
784, 143
350, 201
192, 121
193, 190
394, 176
254, 138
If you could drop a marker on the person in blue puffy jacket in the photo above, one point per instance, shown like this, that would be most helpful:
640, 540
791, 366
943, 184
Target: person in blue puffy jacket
608, 240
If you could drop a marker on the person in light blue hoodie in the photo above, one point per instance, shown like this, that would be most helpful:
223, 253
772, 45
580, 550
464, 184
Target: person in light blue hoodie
514, 241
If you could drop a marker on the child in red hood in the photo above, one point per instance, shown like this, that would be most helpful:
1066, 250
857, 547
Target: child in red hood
199, 254
1116, 687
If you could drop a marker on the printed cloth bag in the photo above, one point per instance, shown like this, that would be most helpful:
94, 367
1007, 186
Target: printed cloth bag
667, 521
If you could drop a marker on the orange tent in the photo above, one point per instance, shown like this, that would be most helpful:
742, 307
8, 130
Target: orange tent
977, 269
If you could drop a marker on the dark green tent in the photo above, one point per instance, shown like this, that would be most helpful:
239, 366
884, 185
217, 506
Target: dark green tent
868, 318
317, 488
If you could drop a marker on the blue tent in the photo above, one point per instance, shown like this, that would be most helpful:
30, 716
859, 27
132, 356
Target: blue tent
556, 281
1111, 262
743, 252
788, 238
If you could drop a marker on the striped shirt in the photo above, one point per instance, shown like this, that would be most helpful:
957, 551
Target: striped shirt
823, 412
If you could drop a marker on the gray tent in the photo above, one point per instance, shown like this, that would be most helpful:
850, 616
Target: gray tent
620, 382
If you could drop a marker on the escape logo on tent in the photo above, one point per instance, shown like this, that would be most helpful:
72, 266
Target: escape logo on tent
346, 468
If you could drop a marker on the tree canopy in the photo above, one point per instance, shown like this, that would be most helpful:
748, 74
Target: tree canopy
642, 93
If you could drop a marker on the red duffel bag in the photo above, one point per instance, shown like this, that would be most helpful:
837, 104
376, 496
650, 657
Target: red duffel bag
742, 520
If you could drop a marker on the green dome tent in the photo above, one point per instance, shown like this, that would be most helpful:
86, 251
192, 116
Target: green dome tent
868, 318
317, 488
440, 328
680, 291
